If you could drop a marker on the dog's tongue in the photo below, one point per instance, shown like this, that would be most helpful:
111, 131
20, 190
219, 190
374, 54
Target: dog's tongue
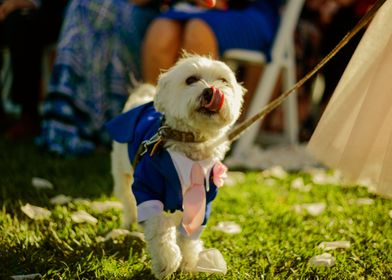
217, 100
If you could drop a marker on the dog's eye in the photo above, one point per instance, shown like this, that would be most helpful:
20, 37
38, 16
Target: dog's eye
223, 80
192, 79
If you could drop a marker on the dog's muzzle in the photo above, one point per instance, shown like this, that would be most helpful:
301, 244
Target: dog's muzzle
212, 99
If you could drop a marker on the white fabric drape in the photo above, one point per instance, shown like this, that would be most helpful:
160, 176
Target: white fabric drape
354, 134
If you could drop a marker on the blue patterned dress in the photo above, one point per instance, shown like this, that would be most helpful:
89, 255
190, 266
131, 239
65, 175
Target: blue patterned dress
97, 53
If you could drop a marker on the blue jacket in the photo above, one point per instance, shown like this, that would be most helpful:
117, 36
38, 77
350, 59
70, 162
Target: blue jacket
155, 177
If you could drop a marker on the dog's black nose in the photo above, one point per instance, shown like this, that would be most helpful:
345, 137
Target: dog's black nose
212, 99
207, 94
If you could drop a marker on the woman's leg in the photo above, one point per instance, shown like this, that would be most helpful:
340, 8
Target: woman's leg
161, 47
200, 39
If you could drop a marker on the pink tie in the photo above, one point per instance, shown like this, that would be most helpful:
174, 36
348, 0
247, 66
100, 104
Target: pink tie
194, 202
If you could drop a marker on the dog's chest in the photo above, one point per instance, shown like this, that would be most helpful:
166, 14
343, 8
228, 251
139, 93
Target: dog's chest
183, 166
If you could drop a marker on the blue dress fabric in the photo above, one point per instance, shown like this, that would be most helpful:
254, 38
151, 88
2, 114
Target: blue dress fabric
155, 176
252, 27
97, 52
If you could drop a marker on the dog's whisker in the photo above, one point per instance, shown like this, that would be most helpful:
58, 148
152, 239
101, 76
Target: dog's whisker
204, 82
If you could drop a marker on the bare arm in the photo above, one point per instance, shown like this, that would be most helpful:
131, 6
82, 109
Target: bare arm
210, 3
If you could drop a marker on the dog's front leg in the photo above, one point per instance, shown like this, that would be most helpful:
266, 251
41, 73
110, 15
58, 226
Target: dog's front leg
190, 249
122, 173
128, 201
160, 235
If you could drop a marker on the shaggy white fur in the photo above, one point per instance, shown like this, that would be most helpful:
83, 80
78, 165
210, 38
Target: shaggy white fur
179, 95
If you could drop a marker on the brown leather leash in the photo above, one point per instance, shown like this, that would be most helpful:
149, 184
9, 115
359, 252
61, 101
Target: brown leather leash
164, 134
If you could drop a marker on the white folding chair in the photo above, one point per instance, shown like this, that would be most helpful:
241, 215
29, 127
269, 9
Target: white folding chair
282, 59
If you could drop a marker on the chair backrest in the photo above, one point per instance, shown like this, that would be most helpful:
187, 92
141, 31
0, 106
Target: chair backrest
282, 58
290, 14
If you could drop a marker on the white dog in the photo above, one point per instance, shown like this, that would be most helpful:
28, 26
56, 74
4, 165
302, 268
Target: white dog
162, 149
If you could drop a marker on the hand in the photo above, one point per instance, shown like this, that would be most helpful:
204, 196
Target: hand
209, 3
206, 3
217, 4
9, 6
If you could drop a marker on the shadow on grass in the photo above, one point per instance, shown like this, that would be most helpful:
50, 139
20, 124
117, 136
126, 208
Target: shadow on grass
54, 257
58, 249
87, 176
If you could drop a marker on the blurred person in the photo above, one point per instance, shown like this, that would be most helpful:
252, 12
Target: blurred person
337, 18
26, 28
231, 24
97, 57
98, 61
323, 23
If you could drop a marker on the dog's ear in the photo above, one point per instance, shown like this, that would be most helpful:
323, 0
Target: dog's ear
240, 91
240, 88
160, 93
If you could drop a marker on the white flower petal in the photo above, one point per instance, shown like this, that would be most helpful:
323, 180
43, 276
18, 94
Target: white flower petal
82, 201
211, 261
362, 201
117, 233
334, 245
299, 185
83, 217
228, 227
313, 209
275, 171
234, 178
269, 182
321, 177
102, 206
35, 212
40, 183
26, 276
60, 199
325, 260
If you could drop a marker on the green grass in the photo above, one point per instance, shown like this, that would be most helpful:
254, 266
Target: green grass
275, 242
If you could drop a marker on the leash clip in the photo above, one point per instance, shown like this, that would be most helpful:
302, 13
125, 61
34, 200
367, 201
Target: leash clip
155, 139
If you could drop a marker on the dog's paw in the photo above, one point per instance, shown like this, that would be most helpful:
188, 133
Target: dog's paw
190, 253
189, 265
167, 263
127, 222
